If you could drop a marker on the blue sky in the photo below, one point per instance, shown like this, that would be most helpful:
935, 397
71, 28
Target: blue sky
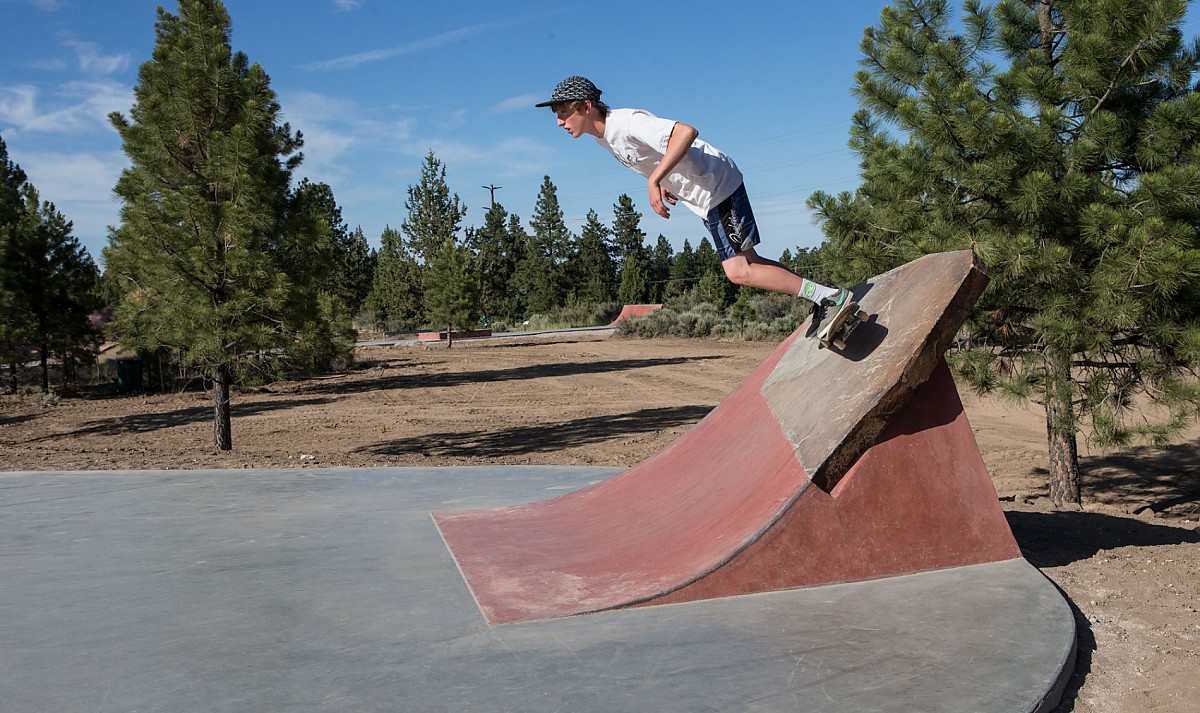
375, 85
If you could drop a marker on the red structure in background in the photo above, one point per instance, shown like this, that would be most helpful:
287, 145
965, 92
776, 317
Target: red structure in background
631, 311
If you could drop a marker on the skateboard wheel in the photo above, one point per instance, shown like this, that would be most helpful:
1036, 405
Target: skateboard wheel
839, 344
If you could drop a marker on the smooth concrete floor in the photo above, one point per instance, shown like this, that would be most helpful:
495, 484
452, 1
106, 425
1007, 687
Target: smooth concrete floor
330, 590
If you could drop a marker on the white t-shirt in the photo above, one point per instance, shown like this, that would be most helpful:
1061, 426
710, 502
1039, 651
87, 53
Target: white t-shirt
638, 139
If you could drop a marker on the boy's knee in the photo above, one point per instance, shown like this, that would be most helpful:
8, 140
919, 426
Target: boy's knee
738, 271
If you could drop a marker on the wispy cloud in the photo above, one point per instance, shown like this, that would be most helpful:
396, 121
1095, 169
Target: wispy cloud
73, 107
81, 187
521, 103
445, 38
339, 133
44, 5
62, 177
44, 65
92, 60
347, 5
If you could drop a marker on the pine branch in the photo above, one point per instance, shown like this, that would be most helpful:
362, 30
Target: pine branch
1105, 365
1112, 85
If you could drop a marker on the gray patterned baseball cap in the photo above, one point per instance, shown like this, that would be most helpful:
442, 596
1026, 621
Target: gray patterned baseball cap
573, 89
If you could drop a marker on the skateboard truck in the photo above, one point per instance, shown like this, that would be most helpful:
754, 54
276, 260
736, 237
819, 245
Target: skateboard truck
841, 326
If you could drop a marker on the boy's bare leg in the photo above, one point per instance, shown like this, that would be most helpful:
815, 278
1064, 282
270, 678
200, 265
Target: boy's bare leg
751, 269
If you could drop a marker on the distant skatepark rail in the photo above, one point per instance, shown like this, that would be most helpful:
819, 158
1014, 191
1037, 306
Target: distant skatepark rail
820, 467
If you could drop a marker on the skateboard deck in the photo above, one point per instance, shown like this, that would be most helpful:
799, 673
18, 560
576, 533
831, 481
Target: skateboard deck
841, 326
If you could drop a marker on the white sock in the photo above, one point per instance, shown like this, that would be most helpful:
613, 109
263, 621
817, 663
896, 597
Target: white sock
814, 292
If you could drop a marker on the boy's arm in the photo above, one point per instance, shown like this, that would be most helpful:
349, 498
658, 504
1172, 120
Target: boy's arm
681, 140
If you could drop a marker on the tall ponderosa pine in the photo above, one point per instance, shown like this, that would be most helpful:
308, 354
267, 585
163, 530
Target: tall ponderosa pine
451, 289
629, 242
350, 272
211, 260
12, 181
1061, 140
53, 285
628, 236
634, 286
541, 274
593, 273
434, 214
683, 271
357, 262
396, 291
518, 245
707, 278
658, 269
498, 255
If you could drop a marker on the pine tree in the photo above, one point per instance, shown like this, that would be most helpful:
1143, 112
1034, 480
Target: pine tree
593, 273
358, 269
706, 259
629, 244
351, 264
1060, 140
634, 286
683, 271
210, 260
451, 289
711, 288
396, 290
12, 179
711, 285
628, 237
498, 256
433, 213
742, 310
52, 282
542, 274
658, 269
12, 182
517, 246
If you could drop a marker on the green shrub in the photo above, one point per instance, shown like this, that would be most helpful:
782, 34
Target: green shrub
769, 317
582, 314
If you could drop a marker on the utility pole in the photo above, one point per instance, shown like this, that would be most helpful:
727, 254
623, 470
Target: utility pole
493, 189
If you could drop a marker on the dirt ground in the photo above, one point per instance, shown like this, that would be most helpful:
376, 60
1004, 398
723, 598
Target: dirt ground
1128, 560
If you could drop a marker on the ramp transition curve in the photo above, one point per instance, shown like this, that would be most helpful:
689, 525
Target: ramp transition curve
820, 467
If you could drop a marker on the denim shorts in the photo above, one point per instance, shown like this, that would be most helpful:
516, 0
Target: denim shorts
731, 223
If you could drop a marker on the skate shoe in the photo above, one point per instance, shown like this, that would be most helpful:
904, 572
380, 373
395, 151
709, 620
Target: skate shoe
821, 308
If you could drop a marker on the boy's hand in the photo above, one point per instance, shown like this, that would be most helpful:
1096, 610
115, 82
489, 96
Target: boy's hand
659, 196
682, 137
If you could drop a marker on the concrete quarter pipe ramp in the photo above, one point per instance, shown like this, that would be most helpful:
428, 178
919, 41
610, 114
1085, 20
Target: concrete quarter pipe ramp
820, 467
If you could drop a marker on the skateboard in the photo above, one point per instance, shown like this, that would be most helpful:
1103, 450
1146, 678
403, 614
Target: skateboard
841, 326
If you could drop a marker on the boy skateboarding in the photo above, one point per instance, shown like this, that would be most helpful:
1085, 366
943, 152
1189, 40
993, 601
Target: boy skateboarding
679, 167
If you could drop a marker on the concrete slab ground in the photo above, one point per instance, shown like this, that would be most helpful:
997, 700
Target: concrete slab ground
331, 590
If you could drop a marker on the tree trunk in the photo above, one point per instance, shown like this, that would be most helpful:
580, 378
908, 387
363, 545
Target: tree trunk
1046, 25
44, 354
1061, 430
222, 429
45, 365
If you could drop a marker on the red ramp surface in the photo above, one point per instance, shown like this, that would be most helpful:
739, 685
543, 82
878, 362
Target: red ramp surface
820, 467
